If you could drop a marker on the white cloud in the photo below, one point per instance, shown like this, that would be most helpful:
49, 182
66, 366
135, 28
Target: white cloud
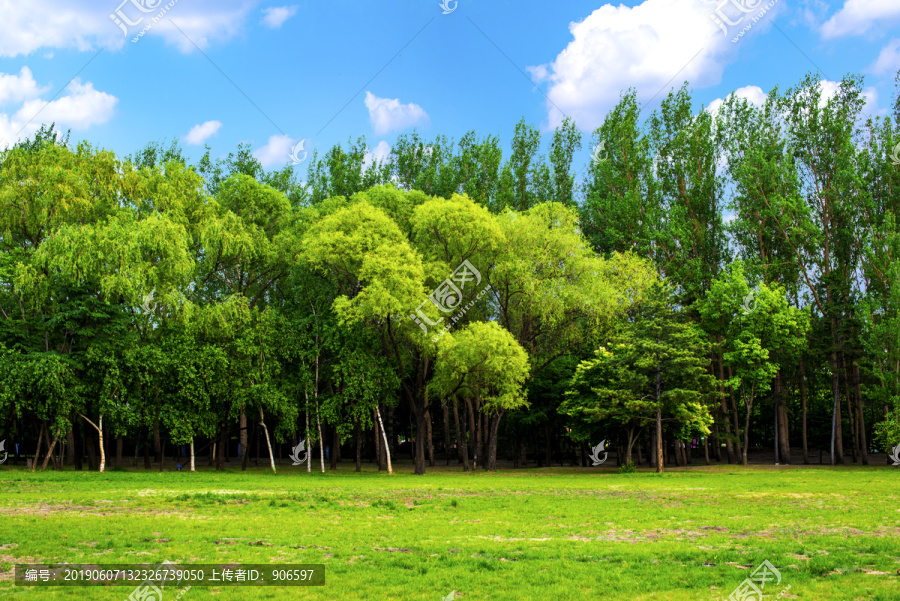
857, 16
276, 16
888, 60
753, 94
276, 152
202, 132
830, 88
85, 25
387, 114
16, 88
80, 108
652, 47
381, 152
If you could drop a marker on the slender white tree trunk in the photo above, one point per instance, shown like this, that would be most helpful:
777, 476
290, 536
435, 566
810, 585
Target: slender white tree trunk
99, 430
387, 448
321, 443
308, 446
102, 449
268, 443
192, 453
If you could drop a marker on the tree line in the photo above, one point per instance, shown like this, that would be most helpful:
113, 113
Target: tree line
710, 281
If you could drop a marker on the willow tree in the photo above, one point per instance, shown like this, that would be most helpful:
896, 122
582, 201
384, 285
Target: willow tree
484, 364
379, 278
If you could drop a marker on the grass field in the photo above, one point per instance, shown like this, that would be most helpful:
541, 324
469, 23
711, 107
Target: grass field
553, 533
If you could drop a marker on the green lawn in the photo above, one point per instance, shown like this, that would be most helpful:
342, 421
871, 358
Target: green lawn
549, 533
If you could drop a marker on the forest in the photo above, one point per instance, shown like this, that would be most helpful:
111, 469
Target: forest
710, 284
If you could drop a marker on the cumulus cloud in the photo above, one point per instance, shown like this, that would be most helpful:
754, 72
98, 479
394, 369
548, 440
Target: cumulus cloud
16, 88
888, 60
381, 152
81, 107
84, 25
276, 152
653, 46
388, 114
753, 94
202, 132
276, 16
830, 88
858, 16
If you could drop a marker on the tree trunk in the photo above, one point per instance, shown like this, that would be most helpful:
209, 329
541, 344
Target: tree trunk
861, 421
77, 428
784, 440
421, 438
100, 434
357, 434
220, 451
321, 438
335, 448
162, 455
706, 448
718, 445
461, 445
192, 453
243, 435
262, 422
747, 427
49, 451
429, 427
482, 433
631, 439
379, 443
387, 449
734, 415
120, 442
658, 439
245, 460
732, 456
37, 452
447, 433
659, 453
473, 448
70, 445
803, 432
491, 465
156, 445
837, 443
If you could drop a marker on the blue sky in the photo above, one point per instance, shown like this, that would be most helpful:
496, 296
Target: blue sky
271, 74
